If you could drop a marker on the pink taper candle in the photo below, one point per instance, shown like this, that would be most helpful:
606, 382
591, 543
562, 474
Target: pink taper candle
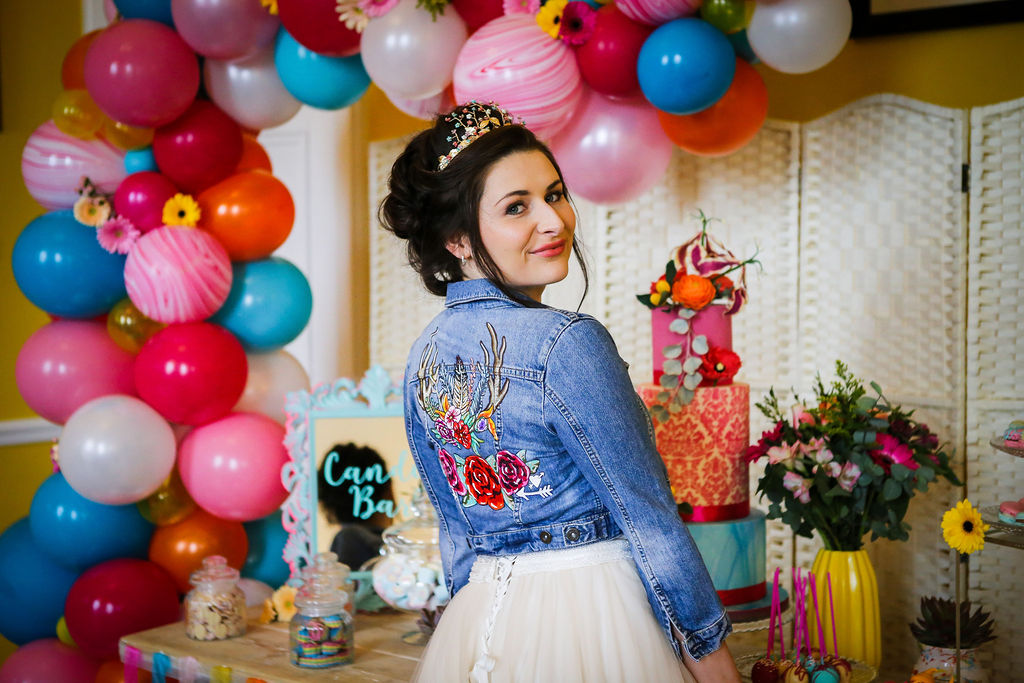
832, 611
822, 647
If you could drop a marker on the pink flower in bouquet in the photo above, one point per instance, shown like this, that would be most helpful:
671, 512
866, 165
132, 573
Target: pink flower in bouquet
755, 451
784, 454
832, 469
848, 476
800, 416
800, 487
892, 452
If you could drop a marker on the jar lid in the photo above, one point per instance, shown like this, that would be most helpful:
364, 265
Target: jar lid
420, 531
319, 594
215, 568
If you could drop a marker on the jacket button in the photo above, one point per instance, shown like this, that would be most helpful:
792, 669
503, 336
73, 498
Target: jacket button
572, 534
545, 537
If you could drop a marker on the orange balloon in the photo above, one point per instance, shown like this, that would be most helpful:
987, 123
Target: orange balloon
72, 71
250, 213
112, 671
254, 157
180, 548
726, 125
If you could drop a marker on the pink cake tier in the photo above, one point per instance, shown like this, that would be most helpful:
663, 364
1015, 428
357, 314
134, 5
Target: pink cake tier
711, 321
703, 446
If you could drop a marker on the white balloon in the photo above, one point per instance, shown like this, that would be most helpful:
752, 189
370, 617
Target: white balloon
255, 592
427, 108
408, 54
250, 91
115, 450
797, 36
271, 377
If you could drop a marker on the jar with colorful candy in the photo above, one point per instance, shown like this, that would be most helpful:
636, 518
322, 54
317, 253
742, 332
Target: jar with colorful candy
321, 632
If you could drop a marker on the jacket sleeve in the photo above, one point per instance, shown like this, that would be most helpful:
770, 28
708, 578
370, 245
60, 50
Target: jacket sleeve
590, 402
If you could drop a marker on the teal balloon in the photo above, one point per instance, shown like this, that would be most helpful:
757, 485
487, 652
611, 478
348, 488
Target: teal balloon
316, 80
269, 304
137, 160
155, 10
61, 267
32, 587
685, 66
78, 533
265, 561
741, 46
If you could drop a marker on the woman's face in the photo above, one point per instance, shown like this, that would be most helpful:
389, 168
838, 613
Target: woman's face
526, 222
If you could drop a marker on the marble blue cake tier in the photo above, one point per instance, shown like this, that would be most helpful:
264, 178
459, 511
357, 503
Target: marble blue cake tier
734, 552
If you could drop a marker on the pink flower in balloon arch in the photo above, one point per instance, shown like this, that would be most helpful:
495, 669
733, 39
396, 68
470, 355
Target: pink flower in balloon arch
377, 8
521, 6
578, 21
117, 235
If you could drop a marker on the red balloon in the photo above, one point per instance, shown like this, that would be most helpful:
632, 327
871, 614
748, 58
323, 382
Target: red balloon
191, 373
476, 13
179, 548
314, 24
608, 60
116, 598
72, 70
726, 125
254, 157
141, 197
201, 147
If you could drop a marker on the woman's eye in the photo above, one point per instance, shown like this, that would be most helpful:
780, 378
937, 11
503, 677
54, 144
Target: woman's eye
515, 209
554, 196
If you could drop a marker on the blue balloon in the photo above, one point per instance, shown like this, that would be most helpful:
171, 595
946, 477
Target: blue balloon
269, 304
685, 66
316, 80
741, 45
137, 160
32, 587
78, 533
157, 10
265, 561
61, 267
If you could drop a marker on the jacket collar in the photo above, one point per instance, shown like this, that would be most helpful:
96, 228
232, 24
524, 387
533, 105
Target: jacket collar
480, 289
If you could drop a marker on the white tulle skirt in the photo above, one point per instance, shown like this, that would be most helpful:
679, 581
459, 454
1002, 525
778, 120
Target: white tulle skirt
576, 614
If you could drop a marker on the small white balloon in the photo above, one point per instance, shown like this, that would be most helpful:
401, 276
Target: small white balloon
115, 450
427, 108
256, 592
797, 36
271, 377
250, 91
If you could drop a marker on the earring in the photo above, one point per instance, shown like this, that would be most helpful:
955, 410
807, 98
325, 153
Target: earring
462, 260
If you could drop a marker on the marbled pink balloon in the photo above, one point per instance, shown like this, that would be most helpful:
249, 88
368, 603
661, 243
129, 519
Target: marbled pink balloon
53, 163
657, 12
178, 274
511, 61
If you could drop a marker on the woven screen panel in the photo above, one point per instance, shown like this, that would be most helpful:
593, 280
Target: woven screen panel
881, 288
995, 363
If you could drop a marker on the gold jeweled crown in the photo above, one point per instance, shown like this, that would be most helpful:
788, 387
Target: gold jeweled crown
469, 122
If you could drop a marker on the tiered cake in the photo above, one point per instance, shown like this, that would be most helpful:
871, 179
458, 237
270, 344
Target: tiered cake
702, 418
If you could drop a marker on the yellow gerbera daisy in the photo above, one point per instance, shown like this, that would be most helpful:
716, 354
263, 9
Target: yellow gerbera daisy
963, 528
284, 602
181, 209
271, 5
550, 16
268, 614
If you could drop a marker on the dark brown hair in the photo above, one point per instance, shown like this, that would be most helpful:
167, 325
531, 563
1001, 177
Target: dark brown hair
430, 208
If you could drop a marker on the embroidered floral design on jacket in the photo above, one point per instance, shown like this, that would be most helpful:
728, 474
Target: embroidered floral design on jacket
495, 481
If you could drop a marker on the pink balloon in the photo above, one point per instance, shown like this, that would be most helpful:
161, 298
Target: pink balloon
109, 10
426, 108
177, 274
141, 73
224, 29
46, 661
613, 150
657, 12
67, 363
232, 467
513, 62
53, 163
141, 197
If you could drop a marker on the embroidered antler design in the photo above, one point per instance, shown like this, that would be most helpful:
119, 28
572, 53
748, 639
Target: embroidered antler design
495, 387
428, 376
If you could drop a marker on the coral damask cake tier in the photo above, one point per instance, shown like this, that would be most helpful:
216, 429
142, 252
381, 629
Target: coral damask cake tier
703, 446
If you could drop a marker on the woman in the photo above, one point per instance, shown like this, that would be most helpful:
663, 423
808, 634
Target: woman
560, 540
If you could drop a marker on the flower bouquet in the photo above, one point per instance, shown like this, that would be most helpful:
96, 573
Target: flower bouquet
847, 466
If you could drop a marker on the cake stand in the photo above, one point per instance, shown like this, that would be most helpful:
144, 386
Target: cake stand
1001, 533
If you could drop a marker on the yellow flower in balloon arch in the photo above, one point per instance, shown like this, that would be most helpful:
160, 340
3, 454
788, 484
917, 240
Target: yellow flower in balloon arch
284, 602
181, 209
550, 16
91, 210
963, 528
270, 5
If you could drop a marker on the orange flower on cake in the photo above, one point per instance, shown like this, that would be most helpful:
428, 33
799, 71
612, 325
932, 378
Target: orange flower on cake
693, 291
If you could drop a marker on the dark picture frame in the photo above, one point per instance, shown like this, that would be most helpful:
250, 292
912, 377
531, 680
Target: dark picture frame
868, 22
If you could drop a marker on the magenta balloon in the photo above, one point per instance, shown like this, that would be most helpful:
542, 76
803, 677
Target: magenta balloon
200, 148
53, 163
224, 29
67, 363
141, 197
46, 661
232, 467
141, 73
613, 150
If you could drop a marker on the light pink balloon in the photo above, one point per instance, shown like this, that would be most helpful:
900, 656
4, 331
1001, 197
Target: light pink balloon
250, 91
613, 150
511, 61
232, 467
68, 363
177, 275
53, 163
224, 29
109, 10
657, 12
272, 376
141, 197
46, 661
426, 108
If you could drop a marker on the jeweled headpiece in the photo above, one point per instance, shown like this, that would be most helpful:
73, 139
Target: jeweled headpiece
469, 122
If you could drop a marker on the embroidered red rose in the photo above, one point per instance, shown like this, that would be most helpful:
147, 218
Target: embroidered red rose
451, 471
462, 435
512, 472
718, 366
483, 483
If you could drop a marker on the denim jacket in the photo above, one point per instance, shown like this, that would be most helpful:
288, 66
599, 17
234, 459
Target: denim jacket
528, 435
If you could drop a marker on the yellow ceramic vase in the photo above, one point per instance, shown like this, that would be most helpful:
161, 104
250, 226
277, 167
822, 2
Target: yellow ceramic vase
855, 597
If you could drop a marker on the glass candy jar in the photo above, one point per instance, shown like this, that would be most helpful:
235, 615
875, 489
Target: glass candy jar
215, 607
321, 633
327, 562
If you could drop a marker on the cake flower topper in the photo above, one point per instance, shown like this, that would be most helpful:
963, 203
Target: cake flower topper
470, 122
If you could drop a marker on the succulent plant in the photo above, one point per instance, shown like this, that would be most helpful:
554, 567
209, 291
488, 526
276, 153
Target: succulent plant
937, 624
